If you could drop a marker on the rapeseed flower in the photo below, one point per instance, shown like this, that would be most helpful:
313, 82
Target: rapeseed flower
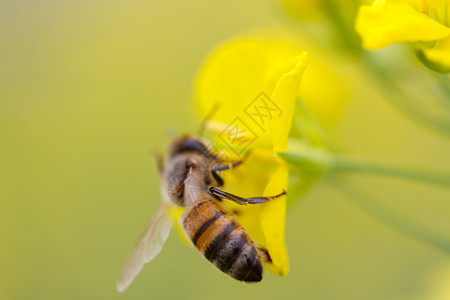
255, 87
425, 23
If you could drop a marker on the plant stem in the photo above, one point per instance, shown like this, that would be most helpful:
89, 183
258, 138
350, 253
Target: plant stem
352, 164
346, 34
316, 161
393, 217
403, 101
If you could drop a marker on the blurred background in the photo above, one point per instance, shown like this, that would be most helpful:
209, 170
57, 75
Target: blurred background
87, 88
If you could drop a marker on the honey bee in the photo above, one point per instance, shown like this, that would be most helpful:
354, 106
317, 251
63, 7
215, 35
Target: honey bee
191, 180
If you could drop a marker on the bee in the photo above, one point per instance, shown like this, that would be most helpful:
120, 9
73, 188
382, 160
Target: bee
191, 180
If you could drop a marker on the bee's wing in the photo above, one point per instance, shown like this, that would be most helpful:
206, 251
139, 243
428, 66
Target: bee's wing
148, 246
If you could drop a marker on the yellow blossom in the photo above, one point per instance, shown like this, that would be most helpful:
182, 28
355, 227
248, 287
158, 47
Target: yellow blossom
425, 22
254, 86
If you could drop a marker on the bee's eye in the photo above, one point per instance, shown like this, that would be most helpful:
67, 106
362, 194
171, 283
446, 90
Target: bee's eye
176, 188
189, 165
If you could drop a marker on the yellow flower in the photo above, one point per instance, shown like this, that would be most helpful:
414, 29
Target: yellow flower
425, 22
254, 86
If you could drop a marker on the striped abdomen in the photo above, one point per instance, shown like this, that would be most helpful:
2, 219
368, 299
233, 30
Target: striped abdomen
222, 241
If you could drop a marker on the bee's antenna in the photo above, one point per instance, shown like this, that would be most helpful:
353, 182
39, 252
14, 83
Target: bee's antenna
207, 118
159, 158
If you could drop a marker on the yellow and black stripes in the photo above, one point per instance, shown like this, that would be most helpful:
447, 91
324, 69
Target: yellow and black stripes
205, 226
221, 240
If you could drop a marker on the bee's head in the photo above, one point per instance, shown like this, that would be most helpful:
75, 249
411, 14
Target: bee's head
185, 178
186, 144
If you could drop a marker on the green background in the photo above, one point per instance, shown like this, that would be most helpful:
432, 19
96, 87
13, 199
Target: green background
88, 87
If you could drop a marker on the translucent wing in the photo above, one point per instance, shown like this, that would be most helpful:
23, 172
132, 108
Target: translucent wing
149, 245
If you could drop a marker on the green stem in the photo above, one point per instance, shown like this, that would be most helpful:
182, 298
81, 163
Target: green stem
347, 35
443, 82
397, 218
358, 165
308, 126
403, 101
317, 161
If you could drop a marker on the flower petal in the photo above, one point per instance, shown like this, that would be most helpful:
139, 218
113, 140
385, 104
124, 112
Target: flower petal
250, 180
240, 78
176, 212
231, 77
387, 22
285, 95
439, 55
272, 219
262, 175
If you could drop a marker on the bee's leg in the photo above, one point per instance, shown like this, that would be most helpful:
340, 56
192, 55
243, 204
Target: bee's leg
240, 200
264, 254
209, 116
223, 167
